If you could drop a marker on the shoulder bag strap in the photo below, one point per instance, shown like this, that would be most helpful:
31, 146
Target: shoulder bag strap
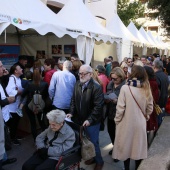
137, 103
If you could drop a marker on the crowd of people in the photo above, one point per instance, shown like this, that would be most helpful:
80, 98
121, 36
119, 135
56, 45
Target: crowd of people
123, 93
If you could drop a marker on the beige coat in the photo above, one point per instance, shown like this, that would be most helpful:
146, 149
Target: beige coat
131, 137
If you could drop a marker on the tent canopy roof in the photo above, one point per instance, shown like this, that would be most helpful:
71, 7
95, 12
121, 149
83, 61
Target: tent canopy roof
145, 35
117, 27
74, 19
132, 28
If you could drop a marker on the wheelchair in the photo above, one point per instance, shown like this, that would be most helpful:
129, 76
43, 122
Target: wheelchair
70, 159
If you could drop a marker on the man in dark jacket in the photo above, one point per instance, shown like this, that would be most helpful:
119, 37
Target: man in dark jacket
22, 61
162, 80
86, 109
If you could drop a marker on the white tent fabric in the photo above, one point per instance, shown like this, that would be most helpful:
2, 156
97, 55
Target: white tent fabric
159, 40
34, 14
117, 27
132, 28
25, 14
58, 3
154, 40
76, 14
146, 36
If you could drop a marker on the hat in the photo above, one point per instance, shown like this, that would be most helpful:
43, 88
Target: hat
22, 57
100, 69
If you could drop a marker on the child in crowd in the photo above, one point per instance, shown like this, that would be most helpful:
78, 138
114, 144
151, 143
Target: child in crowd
25, 81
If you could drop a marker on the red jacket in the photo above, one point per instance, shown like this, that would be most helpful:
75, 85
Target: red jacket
152, 123
167, 107
48, 75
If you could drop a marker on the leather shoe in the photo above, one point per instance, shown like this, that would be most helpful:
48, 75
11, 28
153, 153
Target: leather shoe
9, 161
90, 162
98, 166
116, 160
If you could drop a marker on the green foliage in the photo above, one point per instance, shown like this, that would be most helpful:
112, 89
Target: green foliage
130, 11
163, 11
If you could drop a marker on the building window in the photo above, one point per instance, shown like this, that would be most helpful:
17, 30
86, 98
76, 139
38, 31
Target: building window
153, 29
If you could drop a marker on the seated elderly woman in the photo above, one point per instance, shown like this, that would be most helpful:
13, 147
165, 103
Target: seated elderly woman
51, 143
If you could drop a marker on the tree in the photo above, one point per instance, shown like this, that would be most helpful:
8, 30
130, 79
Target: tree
130, 11
162, 11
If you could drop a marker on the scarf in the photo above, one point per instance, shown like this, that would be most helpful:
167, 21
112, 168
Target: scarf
134, 82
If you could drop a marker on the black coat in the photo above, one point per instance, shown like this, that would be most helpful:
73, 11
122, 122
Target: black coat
29, 91
111, 107
162, 80
87, 105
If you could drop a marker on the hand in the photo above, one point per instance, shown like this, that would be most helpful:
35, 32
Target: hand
86, 123
107, 100
114, 101
11, 99
69, 115
19, 92
5, 72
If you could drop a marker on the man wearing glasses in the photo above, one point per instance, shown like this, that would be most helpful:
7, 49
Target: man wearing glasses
86, 109
130, 64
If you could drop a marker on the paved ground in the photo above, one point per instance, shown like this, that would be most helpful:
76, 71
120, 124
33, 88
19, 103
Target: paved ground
27, 147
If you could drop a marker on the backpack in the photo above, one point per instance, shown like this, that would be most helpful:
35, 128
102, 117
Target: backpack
37, 104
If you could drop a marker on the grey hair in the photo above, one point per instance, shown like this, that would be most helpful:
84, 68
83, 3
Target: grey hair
87, 67
158, 64
57, 116
67, 65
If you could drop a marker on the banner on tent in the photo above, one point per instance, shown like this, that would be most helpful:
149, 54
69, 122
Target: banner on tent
9, 54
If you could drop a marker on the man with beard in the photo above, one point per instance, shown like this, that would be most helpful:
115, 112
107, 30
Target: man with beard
86, 109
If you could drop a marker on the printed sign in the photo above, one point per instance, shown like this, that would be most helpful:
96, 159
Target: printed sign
9, 55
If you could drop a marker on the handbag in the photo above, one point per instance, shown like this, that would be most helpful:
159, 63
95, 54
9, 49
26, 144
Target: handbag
37, 104
87, 147
158, 110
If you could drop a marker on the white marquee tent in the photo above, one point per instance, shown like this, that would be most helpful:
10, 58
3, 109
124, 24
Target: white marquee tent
145, 35
158, 45
82, 19
125, 49
117, 27
33, 14
132, 28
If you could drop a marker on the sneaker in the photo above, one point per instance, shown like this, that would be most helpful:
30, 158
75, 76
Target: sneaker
16, 142
19, 112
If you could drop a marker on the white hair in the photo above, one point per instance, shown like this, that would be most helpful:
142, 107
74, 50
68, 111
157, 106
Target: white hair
67, 65
87, 68
57, 116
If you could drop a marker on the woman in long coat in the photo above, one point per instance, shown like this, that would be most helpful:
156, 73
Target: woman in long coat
130, 119
152, 123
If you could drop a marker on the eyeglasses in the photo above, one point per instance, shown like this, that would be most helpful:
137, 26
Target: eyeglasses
115, 79
129, 61
83, 74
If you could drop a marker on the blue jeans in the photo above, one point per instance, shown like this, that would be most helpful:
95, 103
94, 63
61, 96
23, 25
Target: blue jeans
5, 157
93, 132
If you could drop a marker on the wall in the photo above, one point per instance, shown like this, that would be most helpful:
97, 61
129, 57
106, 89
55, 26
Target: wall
103, 8
30, 45
103, 50
10, 39
138, 50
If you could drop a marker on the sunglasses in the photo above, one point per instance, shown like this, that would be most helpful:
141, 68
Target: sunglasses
129, 61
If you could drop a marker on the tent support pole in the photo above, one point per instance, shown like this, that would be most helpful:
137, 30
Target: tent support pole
5, 36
